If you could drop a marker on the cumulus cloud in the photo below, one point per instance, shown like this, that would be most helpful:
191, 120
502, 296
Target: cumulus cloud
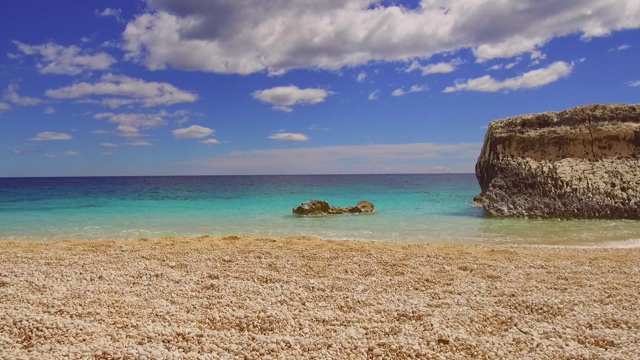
248, 36
374, 95
348, 159
289, 137
119, 90
50, 135
49, 110
284, 97
130, 125
10, 98
210, 142
71, 60
192, 132
531, 79
361, 76
634, 83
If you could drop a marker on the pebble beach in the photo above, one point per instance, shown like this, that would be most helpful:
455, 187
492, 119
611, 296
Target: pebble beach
298, 298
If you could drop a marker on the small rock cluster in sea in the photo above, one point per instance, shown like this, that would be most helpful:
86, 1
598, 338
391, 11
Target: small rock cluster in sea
321, 207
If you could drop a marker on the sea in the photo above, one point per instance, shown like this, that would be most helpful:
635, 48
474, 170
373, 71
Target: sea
426, 208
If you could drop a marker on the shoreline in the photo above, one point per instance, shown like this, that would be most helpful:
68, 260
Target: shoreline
616, 244
302, 297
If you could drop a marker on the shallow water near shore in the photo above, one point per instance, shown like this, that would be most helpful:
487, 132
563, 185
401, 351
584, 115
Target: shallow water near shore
411, 208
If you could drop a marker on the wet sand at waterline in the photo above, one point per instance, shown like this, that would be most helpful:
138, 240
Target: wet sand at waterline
263, 298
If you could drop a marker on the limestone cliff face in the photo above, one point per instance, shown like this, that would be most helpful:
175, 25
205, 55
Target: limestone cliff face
578, 163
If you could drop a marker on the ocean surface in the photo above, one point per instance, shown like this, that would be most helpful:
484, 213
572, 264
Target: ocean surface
411, 208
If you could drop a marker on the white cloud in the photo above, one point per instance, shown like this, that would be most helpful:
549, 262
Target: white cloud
348, 159
248, 36
536, 54
621, 47
413, 89
374, 95
210, 142
49, 110
129, 125
71, 60
192, 132
50, 135
71, 153
139, 143
108, 145
109, 12
284, 97
398, 92
532, 79
413, 66
634, 83
289, 137
439, 68
361, 76
124, 90
18, 152
11, 98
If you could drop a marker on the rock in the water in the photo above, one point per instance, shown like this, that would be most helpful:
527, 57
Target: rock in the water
320, 207
578, 163
313, 207
363, 206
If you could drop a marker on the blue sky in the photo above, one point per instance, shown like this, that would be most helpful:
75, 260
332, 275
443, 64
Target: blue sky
195, 87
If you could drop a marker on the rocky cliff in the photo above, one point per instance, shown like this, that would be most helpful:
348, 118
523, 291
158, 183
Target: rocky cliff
578, 163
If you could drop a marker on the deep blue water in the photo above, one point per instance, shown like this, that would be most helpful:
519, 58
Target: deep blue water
411, 208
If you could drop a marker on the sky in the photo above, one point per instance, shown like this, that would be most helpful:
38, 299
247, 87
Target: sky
226, 87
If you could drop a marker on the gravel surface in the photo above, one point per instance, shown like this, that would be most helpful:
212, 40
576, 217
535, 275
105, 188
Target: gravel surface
260, 298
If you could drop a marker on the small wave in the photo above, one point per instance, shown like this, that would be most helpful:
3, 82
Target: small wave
621, 244
627, 244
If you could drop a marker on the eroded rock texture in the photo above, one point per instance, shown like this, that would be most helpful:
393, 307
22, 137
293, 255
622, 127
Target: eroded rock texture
321, 207
578, 163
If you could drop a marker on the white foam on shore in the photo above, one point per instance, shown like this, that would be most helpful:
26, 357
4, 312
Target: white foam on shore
627, 244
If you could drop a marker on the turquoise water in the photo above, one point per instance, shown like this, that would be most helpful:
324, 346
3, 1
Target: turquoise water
411, 208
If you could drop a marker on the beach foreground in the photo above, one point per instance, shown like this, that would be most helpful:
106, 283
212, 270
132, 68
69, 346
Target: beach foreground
261, 298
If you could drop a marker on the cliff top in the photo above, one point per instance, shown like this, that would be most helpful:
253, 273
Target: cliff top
585, 114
